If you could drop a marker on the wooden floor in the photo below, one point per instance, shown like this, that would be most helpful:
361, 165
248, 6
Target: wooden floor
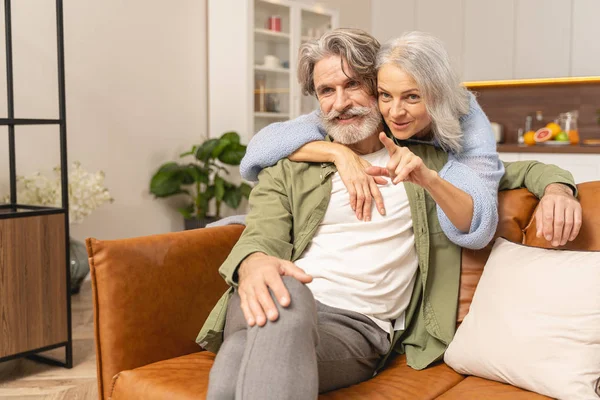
28, 380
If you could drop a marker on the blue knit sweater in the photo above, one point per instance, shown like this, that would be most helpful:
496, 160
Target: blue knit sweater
476, 170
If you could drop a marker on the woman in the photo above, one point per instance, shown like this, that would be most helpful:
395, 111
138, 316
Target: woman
458, 125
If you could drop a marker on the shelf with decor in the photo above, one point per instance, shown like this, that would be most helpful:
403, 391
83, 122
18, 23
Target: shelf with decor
260, 81
269, 35
272, 115
35, 302
278, 70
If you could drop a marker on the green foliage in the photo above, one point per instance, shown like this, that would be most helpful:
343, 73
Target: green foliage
201, 179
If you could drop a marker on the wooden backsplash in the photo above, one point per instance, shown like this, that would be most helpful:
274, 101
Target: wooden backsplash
509, 106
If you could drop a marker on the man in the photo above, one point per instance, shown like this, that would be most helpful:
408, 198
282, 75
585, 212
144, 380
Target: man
390, 283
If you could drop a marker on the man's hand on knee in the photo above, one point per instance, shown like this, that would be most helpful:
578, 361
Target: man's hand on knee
257, 274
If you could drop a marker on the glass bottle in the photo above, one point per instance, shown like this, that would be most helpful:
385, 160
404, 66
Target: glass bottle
568, 124
538, 121
260, 86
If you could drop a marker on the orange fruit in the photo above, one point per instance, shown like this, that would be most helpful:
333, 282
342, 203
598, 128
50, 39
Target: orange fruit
574, 136
554, 128
528, 138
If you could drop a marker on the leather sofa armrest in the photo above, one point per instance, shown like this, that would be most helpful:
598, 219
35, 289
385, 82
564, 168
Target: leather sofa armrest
152, 294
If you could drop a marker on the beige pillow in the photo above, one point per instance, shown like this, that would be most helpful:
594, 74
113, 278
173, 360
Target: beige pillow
534, 322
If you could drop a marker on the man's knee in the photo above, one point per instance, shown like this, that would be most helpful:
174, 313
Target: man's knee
298, 291
301, 312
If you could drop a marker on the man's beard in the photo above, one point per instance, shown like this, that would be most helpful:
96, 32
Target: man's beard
362, 128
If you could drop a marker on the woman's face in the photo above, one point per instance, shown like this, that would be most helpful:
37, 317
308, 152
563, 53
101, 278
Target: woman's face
401, 104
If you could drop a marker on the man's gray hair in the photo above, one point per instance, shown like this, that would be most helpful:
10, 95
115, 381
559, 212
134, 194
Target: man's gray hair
356, 47
424, 58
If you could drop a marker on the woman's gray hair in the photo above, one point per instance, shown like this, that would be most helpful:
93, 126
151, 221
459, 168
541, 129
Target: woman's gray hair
424, 58
357, 47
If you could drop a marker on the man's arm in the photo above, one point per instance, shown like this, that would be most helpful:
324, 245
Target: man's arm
535, 176
558, 216
268, 225
263, 253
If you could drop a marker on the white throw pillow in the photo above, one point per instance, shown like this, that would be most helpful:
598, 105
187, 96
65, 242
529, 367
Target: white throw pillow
534, 322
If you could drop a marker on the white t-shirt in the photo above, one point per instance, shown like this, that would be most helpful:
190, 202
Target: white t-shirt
366, 267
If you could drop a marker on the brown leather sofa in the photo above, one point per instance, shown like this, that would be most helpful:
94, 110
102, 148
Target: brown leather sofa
152, 294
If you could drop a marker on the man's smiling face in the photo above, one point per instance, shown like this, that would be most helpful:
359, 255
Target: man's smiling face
349, 112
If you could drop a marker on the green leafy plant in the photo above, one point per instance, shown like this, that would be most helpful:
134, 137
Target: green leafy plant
201, 178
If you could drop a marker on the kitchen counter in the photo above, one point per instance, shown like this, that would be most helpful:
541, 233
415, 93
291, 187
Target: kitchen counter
544, 148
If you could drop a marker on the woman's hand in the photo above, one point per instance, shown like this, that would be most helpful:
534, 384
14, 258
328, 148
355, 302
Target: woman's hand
404, 166
361, 187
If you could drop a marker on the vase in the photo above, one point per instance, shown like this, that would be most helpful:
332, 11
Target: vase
78, 263
195, 223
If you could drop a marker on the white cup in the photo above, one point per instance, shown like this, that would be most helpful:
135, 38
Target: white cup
272, 62
498, 132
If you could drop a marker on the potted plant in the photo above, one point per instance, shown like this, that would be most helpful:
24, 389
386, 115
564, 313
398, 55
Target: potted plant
201, 179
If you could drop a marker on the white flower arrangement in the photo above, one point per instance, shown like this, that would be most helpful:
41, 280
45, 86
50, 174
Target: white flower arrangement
86, 191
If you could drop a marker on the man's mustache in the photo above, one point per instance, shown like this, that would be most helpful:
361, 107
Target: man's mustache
351, 112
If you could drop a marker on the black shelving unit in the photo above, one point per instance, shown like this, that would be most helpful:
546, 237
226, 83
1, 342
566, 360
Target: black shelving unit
16, 210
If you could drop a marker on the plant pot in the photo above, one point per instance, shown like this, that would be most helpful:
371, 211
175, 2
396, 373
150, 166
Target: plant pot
79, 265
196, 223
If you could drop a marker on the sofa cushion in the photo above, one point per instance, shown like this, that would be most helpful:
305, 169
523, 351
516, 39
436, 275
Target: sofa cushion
179, 378
187, 378
474, 388
534, 322
398, 381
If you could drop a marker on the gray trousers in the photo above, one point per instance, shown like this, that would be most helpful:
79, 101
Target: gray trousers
310, 349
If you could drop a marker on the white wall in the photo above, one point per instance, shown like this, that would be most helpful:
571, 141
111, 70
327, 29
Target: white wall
445, 19
390, 18
136, 97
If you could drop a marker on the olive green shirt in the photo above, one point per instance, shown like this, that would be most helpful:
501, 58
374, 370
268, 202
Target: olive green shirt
289, 202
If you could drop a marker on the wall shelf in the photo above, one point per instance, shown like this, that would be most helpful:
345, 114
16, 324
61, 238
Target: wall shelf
533, 82
266, 34
272, 115
238, 69
271, 69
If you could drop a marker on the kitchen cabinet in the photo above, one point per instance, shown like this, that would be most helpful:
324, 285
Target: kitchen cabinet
252, 61
585, 52
489, 40
498, 40
542, 38
584, 167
